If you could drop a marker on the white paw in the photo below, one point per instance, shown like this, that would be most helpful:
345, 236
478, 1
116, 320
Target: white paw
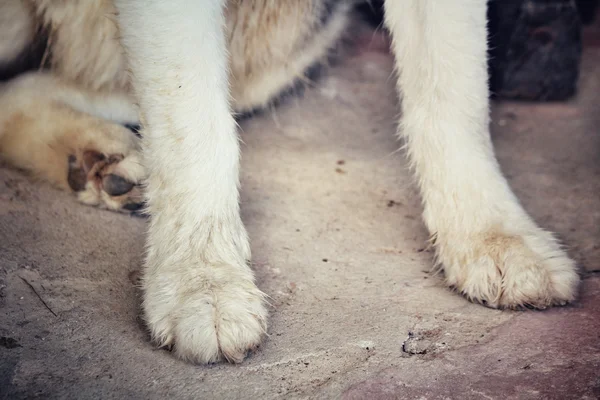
502, 270
209, 317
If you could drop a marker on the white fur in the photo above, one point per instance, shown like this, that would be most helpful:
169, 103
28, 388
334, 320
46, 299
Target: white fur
199, 292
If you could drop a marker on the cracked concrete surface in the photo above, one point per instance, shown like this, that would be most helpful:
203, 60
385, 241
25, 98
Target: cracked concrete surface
339, 246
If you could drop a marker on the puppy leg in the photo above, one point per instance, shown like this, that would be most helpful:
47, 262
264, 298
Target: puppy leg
489, 248
200, 294
95, 158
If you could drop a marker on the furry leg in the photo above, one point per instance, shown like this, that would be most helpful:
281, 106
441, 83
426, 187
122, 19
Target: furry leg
489, 248
200, 293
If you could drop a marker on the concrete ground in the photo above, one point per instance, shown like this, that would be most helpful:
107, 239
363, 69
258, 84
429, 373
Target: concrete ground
339, 246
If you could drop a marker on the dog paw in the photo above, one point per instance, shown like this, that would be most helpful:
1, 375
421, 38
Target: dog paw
205, 319
502, 270
110, 181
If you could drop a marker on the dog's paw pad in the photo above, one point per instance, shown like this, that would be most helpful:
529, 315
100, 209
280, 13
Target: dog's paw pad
103, 180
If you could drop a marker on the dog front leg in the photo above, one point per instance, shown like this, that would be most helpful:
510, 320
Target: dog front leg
489, 248
199, 293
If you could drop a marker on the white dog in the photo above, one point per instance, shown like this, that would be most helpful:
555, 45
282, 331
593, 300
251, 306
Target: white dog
199, 293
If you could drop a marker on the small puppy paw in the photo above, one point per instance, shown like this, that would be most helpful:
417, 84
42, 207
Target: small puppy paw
107, 180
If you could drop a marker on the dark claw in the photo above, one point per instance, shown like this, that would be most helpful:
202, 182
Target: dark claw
135, 128
133, 206
115, 185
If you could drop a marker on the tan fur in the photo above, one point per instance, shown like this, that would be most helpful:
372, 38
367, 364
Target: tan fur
83, 39
272, 43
